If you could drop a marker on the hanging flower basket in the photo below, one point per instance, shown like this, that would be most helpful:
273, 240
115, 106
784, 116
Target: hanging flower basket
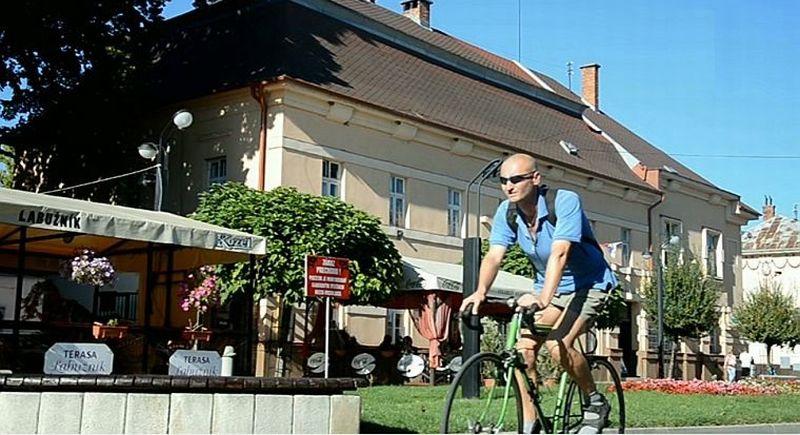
89, 269
102, 331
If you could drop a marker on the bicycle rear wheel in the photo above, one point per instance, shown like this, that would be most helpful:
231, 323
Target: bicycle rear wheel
489, 412
608, 384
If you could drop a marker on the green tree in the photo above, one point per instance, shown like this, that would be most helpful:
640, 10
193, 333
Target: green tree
768, 316
296, 224
691, 308
71, 72
6, 167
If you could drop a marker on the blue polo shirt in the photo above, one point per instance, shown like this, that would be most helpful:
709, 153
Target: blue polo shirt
586, 266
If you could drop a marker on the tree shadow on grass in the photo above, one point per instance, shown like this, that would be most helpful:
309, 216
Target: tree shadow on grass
370, 427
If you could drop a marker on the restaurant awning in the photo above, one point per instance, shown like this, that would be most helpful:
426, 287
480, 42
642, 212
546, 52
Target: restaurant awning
56, 225
427, 275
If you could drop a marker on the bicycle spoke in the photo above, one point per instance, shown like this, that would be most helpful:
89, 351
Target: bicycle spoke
493, 410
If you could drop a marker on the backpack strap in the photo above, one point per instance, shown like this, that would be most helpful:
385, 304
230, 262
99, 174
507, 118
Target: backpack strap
550, 201
551, 217
511, 218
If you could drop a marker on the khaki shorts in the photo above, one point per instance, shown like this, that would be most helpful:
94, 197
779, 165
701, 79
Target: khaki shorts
586, 304
580, 304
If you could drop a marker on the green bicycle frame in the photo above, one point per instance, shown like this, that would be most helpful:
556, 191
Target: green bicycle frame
511, 340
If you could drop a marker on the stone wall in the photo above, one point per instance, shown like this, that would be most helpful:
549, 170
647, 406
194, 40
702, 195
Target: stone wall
41, 404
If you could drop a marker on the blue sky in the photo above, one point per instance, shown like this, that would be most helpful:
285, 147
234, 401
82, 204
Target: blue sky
708, 82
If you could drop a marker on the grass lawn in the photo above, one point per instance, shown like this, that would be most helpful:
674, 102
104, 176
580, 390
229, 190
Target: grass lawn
418, 409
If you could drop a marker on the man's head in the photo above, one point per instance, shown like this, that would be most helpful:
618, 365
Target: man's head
519, 178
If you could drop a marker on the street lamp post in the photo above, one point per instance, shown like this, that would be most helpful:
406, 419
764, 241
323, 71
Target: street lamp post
471, 265
673, 241
160, 154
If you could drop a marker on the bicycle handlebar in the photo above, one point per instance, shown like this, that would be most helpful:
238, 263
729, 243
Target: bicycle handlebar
511, 302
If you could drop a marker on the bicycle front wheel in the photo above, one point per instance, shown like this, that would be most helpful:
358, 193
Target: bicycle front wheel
608, 383
483, 398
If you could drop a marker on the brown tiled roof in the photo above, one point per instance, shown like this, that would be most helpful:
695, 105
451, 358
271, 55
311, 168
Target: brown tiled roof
373, 71
437, 38
645, 152
776, 233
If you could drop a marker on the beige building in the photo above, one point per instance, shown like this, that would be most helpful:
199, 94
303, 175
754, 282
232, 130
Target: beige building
771, 258
347, 98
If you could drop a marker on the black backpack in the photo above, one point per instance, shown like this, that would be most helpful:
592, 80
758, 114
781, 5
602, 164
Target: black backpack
549, 200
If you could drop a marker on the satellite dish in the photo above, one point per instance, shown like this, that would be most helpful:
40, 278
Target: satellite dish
411, 365
316, 362
363, 363
455, 364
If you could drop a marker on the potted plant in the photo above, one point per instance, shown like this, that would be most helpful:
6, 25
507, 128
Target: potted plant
200, 293
111, 329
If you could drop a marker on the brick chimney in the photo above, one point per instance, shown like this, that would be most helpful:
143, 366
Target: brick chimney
768, 212
419, 11
590, 75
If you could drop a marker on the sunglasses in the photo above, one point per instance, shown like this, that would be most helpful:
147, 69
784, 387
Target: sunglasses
514, 179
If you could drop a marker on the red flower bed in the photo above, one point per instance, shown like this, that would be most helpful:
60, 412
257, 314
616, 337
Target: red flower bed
695, 386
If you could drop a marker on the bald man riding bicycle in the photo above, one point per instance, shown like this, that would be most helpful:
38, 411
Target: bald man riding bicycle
572, 278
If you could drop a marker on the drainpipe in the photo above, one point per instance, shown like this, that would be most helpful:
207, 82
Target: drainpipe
650, 222
257, 91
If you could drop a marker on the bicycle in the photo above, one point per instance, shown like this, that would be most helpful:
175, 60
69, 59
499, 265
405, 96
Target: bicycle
490, 410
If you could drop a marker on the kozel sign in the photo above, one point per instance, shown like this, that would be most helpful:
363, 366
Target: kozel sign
78, 359
195, 363
327, 277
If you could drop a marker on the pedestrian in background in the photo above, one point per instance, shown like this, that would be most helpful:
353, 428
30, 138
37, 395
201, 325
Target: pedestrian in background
730, 366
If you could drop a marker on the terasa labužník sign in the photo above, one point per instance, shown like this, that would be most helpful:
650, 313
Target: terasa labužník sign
327, 277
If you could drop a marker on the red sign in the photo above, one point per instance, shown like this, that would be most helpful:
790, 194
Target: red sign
327, 277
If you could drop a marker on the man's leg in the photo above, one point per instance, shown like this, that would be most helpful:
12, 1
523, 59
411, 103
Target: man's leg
578, 317
529, 345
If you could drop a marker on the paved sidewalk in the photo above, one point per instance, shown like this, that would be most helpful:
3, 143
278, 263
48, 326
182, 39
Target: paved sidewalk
752, 428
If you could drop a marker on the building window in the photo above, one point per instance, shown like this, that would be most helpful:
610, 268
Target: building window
712, 254
453, 212
394, 325
625, 247
331, 179
671, 229
652, 339
714, 346
397, 202
217, 170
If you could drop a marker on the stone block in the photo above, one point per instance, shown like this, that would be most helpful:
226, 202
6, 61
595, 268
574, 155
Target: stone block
103, 412
273, 414
147, 413
345, 414
60, 413
233, 413
25, 417
190, 413
312, 414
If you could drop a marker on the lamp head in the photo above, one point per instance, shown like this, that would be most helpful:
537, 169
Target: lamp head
148, 150
182, 119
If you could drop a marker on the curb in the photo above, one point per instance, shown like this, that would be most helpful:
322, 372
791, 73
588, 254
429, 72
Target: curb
749, 428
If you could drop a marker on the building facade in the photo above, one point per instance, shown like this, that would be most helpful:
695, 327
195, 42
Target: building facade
771, 258
348, 99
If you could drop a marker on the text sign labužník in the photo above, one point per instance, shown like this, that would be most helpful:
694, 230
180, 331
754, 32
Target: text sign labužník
195, 363
327, 277
78, 359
